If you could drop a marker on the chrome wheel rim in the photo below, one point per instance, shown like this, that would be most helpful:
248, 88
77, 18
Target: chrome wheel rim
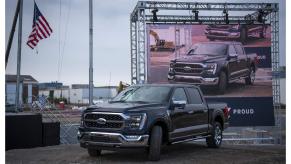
218, 135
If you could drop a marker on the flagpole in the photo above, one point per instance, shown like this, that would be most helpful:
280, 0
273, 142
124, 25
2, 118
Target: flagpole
90, 52
11, 35
19, 56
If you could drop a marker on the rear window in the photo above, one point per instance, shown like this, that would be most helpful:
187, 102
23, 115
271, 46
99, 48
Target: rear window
195, 97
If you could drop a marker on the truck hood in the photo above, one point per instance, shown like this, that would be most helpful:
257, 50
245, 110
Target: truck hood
124, 107
219, 27
199, 58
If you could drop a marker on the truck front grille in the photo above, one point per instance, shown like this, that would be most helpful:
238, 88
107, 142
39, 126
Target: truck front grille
113, 121
99, 138
188, 68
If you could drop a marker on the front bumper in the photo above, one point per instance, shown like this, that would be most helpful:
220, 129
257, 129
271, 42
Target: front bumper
113, 140
194, 79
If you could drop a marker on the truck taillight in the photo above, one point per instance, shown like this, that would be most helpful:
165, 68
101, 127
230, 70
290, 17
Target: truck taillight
226, 111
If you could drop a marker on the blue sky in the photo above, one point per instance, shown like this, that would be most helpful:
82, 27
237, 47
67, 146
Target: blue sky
111, 47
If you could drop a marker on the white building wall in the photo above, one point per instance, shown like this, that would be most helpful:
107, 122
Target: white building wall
29, 92
81, 96
44, 93
100, 93
64, 92
76, 96
10, 92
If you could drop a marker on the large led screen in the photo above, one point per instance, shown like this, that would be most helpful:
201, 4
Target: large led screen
230, 63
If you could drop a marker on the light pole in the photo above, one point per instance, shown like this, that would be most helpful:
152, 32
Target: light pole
19, 56
90, 52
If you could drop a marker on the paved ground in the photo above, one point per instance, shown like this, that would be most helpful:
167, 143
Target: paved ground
180, 153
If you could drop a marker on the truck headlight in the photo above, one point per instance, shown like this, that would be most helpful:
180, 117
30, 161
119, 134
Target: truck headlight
171, 68
136, 121
211, 67
172, 65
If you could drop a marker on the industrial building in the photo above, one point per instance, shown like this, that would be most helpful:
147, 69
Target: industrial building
79, 93
28, 89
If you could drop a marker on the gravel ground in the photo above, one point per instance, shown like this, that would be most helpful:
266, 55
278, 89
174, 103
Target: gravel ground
180, 153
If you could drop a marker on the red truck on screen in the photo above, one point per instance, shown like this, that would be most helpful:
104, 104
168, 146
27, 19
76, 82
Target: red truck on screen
235, 32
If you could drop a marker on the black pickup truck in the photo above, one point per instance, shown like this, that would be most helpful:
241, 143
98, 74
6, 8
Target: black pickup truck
151, 115
214, 64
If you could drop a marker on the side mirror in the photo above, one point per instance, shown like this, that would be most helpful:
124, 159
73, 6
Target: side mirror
179, 104
232, 55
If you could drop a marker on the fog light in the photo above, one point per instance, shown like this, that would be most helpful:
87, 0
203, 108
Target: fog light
209, 79
132, 137
170, 77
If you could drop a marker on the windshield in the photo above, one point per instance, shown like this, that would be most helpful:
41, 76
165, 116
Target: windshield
211, 49
144, 94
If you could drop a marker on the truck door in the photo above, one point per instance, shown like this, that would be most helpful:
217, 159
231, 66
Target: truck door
200, 110
232, 62
242, 61
182, 118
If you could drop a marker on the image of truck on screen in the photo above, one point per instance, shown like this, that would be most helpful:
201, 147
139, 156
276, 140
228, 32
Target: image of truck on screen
235, 32
214, 64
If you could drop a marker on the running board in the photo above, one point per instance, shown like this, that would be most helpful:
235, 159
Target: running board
191, 139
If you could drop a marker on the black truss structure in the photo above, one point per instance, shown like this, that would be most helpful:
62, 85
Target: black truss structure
142, 15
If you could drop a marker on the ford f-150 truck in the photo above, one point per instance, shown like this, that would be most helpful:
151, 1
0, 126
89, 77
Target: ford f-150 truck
235, 32
214, 64
151, 115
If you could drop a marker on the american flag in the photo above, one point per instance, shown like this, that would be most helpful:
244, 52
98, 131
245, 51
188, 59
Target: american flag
40, 28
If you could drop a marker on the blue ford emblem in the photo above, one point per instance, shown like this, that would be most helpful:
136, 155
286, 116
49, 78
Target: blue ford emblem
101, 121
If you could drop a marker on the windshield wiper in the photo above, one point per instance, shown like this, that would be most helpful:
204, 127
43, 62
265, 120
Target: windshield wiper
117, 101
142, 102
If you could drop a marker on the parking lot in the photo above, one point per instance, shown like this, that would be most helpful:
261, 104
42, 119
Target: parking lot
180, 153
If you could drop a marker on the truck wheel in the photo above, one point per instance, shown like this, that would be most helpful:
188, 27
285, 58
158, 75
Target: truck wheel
155, 144
94, 152
263, 32
222, 83
251, 77
243, 35
215, 139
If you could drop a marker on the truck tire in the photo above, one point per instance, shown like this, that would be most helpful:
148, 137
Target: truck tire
251, 77
263, 32
94, 152
215, 139
155, 143
243, 35
222, 83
